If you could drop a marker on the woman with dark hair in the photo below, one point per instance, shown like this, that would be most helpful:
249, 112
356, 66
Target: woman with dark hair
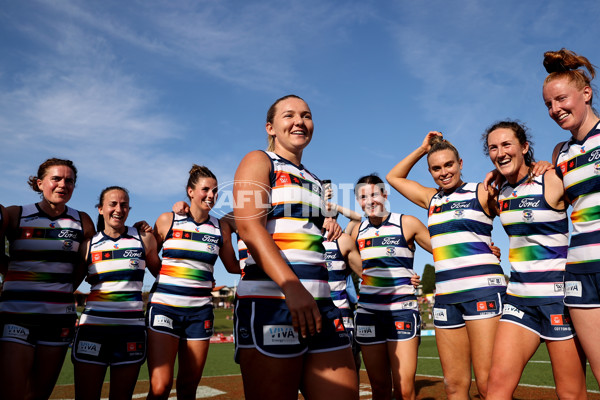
470, 283
388, 322
289, 334
180, 311
533, 213
111, 330
37, 308
568, 95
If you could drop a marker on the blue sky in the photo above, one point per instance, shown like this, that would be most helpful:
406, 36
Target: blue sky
135, 92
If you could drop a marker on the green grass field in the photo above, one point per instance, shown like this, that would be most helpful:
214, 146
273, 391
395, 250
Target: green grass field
220, 362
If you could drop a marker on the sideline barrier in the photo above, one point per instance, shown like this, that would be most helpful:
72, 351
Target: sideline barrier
220, 338
428, 332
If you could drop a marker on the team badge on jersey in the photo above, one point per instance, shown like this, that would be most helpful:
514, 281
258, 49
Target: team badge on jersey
459, 214
390, 251
528, 215
134, 263
597, 168
67, 245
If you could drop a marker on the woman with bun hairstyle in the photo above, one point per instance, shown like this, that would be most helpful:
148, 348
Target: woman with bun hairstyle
37, 308
289, 334
533, 213
470, 283
180, 311
568, 96
111, 330
388, 323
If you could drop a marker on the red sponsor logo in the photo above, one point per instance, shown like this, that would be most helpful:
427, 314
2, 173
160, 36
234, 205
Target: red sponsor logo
207, 324
486, 305
361, 244
557, 319
131, 346
177, 234
186, 235
339, 325
96, 256
106, 254
65, 332
403, 326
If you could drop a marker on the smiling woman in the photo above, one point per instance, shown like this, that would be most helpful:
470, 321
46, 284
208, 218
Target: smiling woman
469, 280
113, 318
568, 96
37, 310
289, 334
180, 311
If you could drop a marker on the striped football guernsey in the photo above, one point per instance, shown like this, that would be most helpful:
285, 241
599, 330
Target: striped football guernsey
242, 253
116, 274
538, 243
42, 261
338, 271
578, 165
294, 222
387, 266
189, 254
465, 268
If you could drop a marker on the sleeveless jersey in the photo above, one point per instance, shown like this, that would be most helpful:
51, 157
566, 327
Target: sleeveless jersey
338, 271
116, 275
578, 165
294, 222
387, 266
465, 268
42, 261
189, 254
538, 243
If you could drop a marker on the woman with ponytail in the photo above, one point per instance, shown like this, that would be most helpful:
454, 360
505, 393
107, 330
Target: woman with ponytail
180, 311
533, 213
470, 283
568, 95
111, 329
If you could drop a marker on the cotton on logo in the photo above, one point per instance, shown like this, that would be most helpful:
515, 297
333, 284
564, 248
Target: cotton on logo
557, 319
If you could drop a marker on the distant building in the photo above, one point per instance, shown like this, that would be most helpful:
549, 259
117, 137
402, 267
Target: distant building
222, 296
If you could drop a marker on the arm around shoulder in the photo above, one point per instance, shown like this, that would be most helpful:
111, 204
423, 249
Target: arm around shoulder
415, 230
153, 262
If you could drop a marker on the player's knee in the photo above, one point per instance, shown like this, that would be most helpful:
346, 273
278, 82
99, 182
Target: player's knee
160, 388
456, 386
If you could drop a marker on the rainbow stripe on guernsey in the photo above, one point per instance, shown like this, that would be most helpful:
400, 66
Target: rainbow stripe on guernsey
465, 268
578, 164
116, 273
538, 243
338, 272
294, 221
387, 266
242, 253
189, 254
43, 258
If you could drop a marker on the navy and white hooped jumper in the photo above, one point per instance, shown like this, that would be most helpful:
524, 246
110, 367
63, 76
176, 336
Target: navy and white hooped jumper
189, 254
465, 268
294, 222
538, 243
338, 273
43, 256
578, 164
387, 267
116, 274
